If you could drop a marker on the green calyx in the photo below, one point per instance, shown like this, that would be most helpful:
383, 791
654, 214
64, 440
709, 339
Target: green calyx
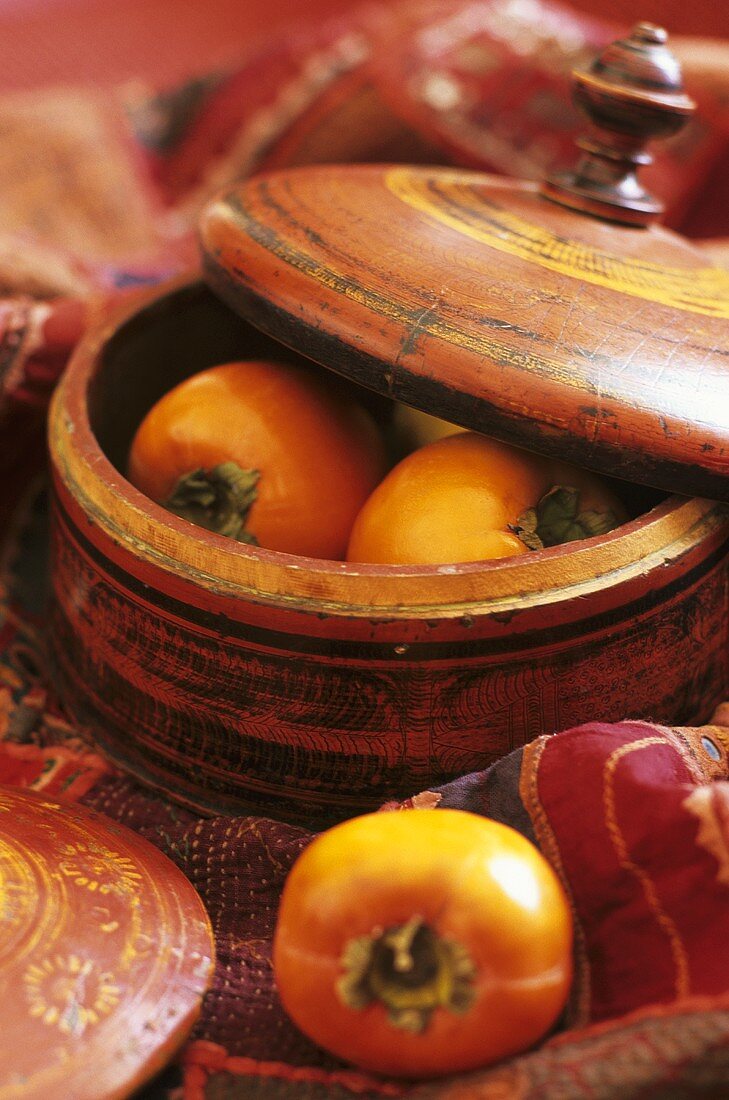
409, 969
556, 519
218, 499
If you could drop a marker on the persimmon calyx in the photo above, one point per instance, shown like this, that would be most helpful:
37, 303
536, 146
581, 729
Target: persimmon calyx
218, 499
409, 969
556, 519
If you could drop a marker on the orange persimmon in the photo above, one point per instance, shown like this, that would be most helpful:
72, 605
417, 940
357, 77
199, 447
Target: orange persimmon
468, 498
266, 452
423, 942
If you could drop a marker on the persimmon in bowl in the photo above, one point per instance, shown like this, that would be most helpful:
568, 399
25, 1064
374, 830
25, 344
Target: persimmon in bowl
236, 678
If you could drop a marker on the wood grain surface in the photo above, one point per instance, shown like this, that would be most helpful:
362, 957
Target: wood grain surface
482, 301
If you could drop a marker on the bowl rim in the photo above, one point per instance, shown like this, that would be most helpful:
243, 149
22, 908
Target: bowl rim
213, 561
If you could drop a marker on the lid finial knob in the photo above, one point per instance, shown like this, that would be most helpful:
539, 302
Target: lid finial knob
631, 93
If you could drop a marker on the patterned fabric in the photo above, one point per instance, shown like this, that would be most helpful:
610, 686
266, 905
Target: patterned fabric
672, 1055
632, 816
483, 79
99, 192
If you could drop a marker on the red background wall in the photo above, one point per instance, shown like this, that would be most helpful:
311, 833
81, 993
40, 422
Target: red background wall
104, 41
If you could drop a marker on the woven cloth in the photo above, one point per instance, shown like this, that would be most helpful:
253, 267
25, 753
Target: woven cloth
98, 195
633, 816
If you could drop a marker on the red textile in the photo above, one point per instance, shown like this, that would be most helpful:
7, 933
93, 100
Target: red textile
633, 816
48, 42
669, 1009
701, 17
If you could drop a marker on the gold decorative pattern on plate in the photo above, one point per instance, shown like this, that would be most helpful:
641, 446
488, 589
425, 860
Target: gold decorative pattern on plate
17, 893
105, 952
96, 868
69, 992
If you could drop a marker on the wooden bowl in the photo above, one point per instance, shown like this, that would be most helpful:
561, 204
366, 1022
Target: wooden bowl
237, 679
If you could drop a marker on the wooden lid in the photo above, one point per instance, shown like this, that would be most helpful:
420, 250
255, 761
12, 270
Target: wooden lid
557, 318
105, 953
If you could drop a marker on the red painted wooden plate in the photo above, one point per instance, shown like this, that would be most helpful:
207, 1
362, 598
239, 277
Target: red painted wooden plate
479, 300
105, 953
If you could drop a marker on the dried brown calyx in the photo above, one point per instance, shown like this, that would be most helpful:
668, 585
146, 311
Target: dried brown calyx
411, 970
218, 499
557, 519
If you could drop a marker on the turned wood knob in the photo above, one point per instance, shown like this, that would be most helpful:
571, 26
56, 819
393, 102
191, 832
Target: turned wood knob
633, 92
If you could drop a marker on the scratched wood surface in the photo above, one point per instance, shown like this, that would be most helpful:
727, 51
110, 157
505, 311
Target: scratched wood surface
105, 953
484, 302
236, 679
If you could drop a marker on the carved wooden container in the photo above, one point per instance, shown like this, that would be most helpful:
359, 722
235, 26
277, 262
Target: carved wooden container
238, 679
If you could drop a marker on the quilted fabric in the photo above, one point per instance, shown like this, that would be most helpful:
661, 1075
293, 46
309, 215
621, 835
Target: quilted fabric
633, 816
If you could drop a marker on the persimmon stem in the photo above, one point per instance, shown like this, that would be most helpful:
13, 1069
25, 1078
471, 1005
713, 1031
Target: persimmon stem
556, 519
400, 939
410, 970
218, 499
